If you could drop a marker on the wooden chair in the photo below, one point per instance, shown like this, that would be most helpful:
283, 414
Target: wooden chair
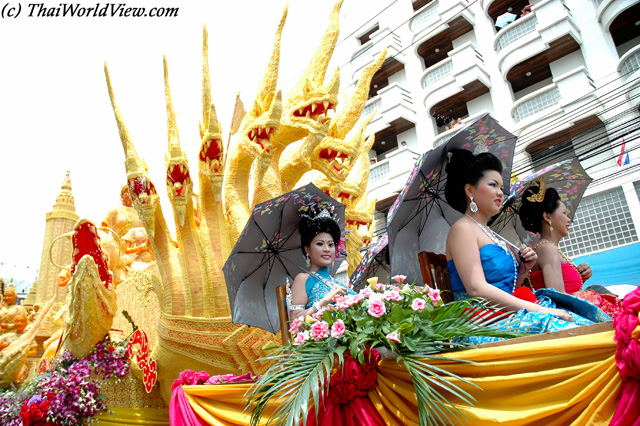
434, 273
283, 313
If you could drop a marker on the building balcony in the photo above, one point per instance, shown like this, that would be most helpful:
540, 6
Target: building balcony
567, 93
439, 15
381, 39
464, 70
393, 103
609, 10
388, 177
548, 33
629, 69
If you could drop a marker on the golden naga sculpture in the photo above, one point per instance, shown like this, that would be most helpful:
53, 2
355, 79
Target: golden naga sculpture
92, 299
14, 356
195, 330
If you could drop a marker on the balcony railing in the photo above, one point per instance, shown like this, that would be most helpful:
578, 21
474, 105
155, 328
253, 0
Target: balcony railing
446, 78
437, 72
393, 102
363, 55
516, 31
422, 18
387, 177
543, 99
372, 104
379, 171
630, 62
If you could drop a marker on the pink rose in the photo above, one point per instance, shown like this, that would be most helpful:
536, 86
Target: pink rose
366, 292
295, 326
399, 278
380, 286
392, 295
319, 330
434, 295
301, 337
393, 337
318, 315
337, 329
377, 308
418, 304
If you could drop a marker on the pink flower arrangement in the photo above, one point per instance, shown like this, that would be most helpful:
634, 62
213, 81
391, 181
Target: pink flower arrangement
295, 325
399, 278
394, 337
301, 337
319, 330
337, 329
393, 295
377, 308
418, 304
434, 295
379, 313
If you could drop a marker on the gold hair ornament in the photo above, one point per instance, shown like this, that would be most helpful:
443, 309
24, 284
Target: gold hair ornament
539, 197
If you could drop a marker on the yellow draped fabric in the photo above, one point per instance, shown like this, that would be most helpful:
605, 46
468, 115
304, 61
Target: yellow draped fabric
569, 381
134, 416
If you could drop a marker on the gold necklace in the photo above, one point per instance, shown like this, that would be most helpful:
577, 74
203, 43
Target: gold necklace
569, 261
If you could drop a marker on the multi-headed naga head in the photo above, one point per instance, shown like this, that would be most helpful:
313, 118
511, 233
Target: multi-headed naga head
307, 106
142, 190
178, 179
262, 121
334, 156
211, 154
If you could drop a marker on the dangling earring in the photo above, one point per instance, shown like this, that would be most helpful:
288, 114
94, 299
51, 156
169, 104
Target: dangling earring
307, 261
550, 227
473, 206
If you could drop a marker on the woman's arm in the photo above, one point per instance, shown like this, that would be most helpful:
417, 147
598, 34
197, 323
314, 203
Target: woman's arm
551, 266
299, 296
528, 258
462, 245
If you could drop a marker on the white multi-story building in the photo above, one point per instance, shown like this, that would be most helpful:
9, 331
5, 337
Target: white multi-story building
564, 78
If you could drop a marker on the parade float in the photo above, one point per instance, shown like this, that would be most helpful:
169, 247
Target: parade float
147, 330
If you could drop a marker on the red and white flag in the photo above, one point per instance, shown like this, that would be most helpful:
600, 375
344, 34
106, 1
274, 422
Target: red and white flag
623, 158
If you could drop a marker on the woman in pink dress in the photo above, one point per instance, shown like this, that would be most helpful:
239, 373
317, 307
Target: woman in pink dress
542, 212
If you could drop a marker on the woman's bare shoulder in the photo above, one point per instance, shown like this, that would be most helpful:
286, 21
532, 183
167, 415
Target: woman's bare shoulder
301, 277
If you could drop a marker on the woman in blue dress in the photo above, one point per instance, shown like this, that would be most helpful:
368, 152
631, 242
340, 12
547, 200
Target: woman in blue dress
479, 262
310, 292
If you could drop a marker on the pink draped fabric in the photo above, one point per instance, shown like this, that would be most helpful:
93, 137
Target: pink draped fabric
180, 411
627, 337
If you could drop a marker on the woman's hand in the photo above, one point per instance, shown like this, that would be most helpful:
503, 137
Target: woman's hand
564, 315
585, 271
336, 290
528, 257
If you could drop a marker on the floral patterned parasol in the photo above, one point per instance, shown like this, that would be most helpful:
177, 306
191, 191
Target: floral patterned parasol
376, 257
420, 218
268, 252
567, 177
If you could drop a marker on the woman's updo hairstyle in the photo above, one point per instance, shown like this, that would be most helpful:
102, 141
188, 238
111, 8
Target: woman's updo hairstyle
536, 200
310, 227
465, 168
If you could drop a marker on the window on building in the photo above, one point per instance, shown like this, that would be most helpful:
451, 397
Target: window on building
364, 38
602, 221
